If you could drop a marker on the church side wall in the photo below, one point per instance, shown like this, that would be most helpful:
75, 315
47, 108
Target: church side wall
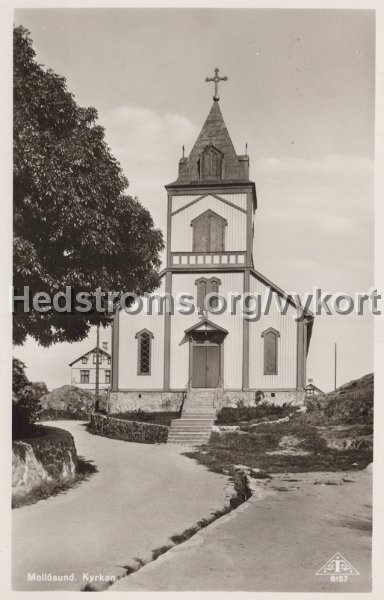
129, 326
286, 325
232, 346
182, 238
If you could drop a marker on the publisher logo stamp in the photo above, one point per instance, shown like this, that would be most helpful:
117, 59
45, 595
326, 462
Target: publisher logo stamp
338, 569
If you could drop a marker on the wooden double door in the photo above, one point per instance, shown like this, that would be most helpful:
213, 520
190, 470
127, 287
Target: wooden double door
206, 366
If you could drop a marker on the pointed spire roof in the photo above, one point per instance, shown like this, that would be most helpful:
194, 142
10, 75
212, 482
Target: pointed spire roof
214, 133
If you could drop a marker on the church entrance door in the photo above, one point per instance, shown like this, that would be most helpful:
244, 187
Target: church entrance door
206, 366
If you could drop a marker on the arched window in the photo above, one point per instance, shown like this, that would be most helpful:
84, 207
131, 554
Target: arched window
205, 287
144, 351
270, 351
210, 164
208, 232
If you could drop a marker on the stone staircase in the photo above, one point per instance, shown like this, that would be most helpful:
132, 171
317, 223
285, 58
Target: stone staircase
197, 418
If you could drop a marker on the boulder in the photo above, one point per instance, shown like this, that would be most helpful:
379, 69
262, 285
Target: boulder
67, 402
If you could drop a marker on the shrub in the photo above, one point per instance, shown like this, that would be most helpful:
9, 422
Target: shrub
26, 409
19, 378
26, 396
229, 415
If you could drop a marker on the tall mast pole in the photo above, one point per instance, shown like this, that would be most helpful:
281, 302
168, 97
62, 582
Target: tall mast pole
335, 365
97, 366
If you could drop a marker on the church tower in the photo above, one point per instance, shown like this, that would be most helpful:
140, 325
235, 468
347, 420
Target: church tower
218, 176
199, 356
211, 207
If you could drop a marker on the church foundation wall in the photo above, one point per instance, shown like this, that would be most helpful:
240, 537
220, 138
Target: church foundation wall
248, 398
152, 401
170, 401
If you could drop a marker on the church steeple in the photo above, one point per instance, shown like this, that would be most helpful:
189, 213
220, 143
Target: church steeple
213, 157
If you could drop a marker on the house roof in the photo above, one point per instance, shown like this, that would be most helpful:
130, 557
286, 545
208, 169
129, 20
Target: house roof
214, 133
101, 351
310, 386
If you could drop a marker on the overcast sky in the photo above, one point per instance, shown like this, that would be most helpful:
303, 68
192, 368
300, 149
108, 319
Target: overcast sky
300, 92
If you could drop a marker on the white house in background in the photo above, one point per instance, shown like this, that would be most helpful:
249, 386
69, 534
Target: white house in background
311, 390
83, 369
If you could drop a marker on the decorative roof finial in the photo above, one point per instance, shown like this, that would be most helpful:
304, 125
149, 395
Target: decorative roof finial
216, 80
246, 148
183, 151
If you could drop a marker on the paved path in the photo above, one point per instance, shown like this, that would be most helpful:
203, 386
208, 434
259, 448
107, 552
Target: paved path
141, 495
276, 542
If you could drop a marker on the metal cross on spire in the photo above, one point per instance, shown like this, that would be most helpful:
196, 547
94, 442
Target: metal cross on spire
216, 80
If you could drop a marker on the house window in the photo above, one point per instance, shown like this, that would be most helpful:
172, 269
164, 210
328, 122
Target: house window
208, 232
95, 358
205, 287
84, 360
109, 360
270, 351
107, 376
105, 345
84, 376
210, 164
144, 348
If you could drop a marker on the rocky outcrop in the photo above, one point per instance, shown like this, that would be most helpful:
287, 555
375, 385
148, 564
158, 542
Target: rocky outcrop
49, 456
67, 402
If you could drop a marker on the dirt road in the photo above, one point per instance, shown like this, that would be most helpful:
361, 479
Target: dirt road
142, 494
275, 542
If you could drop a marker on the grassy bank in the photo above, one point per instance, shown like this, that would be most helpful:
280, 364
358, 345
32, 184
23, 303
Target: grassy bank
293, 446
335, 434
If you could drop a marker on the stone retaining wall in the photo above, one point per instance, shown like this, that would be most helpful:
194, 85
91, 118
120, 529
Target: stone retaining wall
130, 431
127, 401
46, 457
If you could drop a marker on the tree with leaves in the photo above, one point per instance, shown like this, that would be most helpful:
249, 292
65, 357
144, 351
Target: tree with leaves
74, 225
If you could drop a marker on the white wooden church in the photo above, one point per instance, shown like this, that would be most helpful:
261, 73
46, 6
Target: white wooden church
158, 361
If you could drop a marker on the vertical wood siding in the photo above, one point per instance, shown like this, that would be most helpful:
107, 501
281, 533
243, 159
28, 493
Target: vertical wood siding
180, 201
234, 234
287, 346
129, 325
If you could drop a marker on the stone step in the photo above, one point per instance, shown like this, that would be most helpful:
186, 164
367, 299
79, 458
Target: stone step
191, 431
199, 403
209, 405
197, 392
200, 416
190, 434
189, 438
182, 439
200, 420
194, 422
196, 411
199, 400
199, 409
